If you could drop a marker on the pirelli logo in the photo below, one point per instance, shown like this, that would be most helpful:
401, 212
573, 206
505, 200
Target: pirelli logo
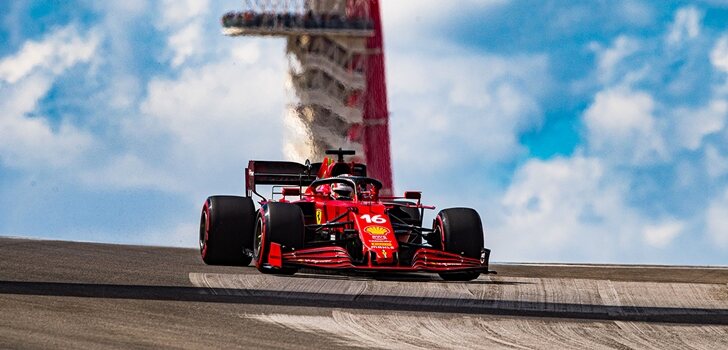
376, 230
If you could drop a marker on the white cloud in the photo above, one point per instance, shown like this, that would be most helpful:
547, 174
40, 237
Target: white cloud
717, 220
122, 95
719, 54
716, 163
636, 12
621, 126
610, 58
210, 96
650, 142
692, 125
188, 132
576, 208
451, 106
573, 17
686, 25
421, 13
28, 140
57, 52
408, 22
565, 207
476, 102
123, 9
128, 171
207, 119
31, 142
661, 235
185, 43
197, 131
184, 22
177, 13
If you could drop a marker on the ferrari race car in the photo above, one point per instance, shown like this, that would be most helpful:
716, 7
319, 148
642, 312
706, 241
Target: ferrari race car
330, 215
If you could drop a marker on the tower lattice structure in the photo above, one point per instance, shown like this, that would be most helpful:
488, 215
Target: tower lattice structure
336, 69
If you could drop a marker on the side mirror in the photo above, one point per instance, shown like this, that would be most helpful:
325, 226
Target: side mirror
416, 195
291, 191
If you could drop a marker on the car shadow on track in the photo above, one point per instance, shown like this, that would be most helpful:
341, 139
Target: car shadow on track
369, 302
431, 279
394, 277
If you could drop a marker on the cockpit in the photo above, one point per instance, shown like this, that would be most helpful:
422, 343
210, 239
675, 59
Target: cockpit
348, 187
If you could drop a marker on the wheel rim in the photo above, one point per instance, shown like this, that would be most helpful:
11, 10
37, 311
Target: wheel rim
437, 232
203, 232
258, 246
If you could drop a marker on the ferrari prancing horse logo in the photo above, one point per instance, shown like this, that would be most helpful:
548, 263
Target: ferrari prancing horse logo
319, 213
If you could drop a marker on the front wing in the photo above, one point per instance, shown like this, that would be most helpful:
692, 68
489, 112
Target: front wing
424, 260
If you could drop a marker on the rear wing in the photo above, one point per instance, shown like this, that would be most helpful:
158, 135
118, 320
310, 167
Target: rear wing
263, 172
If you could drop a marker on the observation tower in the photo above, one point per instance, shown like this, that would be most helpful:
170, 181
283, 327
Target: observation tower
336, 69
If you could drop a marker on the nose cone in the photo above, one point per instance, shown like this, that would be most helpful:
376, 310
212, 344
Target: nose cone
377, 234
383, 255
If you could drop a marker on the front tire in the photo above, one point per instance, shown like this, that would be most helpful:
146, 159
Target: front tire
280, 223
226, 230
459, 231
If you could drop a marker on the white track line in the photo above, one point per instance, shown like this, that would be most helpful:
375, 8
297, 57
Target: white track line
397, 331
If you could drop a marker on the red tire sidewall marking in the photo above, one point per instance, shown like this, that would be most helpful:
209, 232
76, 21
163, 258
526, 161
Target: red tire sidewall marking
261, 251
442, 231
206, 210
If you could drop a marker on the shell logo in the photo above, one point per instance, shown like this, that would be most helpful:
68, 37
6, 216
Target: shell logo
376, 230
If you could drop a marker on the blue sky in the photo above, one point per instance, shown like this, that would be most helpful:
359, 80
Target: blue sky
582, 131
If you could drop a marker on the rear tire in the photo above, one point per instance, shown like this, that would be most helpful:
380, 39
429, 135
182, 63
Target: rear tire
226, 230
458, 231
280, 223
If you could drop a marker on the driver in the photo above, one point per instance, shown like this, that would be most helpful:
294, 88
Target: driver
341, 191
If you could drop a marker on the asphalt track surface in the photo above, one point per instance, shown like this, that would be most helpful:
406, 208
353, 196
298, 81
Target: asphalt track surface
57, 294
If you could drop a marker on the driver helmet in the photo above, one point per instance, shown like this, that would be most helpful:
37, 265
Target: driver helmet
341, 191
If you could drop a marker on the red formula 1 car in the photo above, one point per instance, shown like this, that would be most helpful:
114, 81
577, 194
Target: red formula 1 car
331, 216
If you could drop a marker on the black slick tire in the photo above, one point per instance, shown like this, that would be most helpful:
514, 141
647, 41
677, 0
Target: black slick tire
280, 223
226, 230
458, 231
